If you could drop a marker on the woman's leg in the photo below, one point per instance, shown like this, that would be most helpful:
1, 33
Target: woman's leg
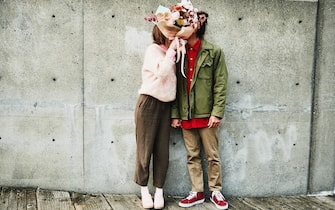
146, 129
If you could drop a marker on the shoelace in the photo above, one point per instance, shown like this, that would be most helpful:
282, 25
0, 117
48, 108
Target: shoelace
191, 195
218, 196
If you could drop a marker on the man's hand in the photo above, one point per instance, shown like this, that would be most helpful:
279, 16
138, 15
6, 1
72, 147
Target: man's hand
214, 122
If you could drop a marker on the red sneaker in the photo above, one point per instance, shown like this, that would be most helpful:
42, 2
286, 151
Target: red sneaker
219, 200
193, 199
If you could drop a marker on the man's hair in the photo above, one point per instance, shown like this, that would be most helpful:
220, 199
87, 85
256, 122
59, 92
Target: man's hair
201, 31
157, 36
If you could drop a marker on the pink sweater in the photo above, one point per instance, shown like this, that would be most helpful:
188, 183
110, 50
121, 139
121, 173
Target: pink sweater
159, 73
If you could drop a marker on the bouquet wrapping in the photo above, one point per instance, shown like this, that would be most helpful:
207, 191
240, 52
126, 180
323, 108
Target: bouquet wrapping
179, 21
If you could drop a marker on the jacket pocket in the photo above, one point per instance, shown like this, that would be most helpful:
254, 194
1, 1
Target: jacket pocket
205, 71
203, 97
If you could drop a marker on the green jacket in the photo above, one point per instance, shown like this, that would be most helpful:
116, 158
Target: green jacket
208, 88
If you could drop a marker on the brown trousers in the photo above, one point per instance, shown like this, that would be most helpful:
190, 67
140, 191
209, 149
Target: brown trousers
209, 139
153, 120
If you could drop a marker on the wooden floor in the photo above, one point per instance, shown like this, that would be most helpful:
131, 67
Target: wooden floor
40, 199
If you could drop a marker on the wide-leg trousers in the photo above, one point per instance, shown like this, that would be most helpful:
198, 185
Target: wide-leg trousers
209, 139
153, 121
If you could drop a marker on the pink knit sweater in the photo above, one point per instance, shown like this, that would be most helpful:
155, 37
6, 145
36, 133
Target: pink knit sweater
159, 73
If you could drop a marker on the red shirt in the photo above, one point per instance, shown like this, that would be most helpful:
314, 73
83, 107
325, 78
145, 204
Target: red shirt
191, 57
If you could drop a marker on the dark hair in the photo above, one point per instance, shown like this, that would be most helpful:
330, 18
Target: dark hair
157, 36
201, 31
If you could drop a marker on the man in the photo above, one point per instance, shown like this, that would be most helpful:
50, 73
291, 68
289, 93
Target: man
198, 110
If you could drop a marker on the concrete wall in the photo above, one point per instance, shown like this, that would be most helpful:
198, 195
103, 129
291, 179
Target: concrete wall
70, 71
322, 161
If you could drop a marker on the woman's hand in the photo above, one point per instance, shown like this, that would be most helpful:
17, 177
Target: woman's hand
175, 44
176, 123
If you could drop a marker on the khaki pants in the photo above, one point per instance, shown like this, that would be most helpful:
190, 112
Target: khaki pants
209, 138
152, 118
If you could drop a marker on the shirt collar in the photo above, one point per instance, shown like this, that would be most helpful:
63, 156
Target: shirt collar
195, 47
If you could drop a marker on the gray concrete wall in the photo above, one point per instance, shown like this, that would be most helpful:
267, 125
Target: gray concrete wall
70, 71
322, 175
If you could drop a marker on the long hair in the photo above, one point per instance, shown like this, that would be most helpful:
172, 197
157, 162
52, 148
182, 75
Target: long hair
157, 36
201, 31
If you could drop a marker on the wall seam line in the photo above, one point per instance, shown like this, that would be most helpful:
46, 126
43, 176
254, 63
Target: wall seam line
314, 98
83, 88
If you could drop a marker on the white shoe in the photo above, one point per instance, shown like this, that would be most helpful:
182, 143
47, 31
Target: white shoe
147, 202
159, 201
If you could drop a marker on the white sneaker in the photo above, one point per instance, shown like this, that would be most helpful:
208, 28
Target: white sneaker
159, 201
147, 202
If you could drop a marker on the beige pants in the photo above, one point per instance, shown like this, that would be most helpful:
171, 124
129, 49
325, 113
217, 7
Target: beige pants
209, 138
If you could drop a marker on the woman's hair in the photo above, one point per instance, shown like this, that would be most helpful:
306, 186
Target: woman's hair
157, 36
201, 31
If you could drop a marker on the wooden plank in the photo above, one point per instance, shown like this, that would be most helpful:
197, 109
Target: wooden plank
248, 204
120, 202
4, 194
286, 203
89, 202
291, 201
17, 199
51, 200
31, 199
12, 201
318, 203
237, 204
11, 198
330, 200
267, 203
21, 201
299, 202
8, 199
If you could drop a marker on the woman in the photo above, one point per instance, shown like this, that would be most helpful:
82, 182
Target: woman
152, 116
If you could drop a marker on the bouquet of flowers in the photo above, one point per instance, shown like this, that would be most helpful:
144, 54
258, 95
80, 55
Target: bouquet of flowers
175, 19
176, 22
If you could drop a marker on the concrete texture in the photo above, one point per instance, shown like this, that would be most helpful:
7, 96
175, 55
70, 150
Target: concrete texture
322, 175
70, 71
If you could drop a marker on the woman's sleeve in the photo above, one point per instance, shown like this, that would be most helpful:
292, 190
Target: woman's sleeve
159, 63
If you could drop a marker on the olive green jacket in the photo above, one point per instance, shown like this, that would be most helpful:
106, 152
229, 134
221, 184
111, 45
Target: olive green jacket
208, 88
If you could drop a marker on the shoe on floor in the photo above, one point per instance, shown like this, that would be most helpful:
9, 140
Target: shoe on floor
147, 202
192, 199
219, 200
158, 201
